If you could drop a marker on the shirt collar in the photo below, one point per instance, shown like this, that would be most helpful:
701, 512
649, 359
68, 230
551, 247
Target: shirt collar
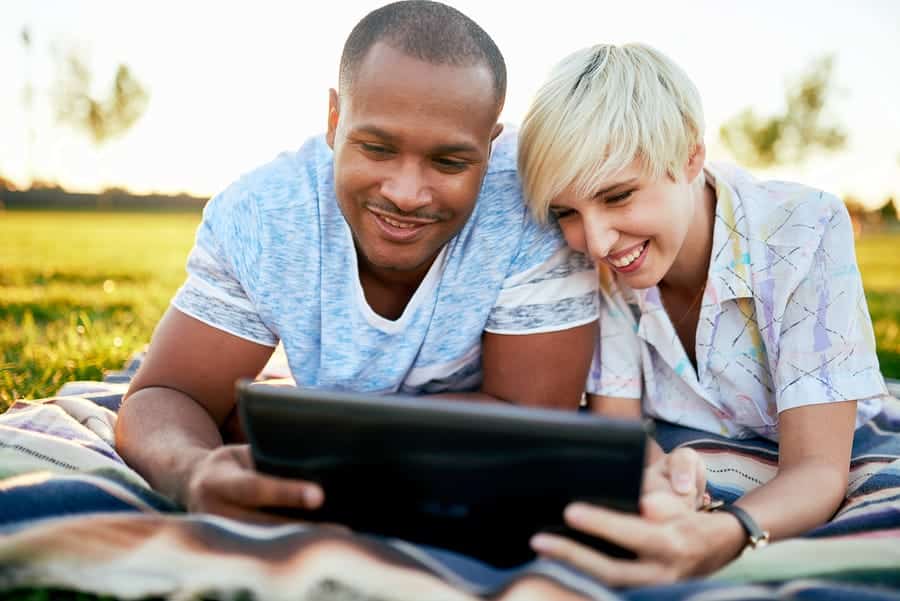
729, 267
730, 271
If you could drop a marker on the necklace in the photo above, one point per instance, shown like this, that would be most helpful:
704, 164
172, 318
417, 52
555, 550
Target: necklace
690, 307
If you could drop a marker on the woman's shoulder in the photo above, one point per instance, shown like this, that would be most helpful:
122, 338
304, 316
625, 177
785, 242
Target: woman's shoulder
782, 213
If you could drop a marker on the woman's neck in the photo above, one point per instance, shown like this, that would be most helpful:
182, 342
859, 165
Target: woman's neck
689, 270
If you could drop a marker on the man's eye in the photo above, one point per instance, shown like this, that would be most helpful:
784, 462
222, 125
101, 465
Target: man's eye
618, 197
450, 164
375, 149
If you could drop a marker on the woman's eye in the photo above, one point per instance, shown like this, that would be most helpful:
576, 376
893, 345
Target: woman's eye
561, 213
618, 197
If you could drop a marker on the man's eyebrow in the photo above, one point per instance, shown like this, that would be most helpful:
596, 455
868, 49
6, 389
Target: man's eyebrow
461, 147
609, 189
441, 149
374, 130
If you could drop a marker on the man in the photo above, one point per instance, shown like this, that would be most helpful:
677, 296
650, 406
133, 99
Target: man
395, 254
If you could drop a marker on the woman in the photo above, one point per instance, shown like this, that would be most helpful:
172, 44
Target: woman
729, 305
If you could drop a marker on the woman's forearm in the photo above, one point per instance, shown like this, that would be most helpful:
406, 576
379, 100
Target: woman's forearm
797, 499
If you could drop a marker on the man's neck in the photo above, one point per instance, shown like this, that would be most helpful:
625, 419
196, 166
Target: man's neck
388, 291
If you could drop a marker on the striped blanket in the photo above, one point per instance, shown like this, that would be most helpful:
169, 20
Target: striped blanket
74, 517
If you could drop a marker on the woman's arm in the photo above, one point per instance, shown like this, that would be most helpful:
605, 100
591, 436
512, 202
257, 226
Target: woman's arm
815, 445
813, 466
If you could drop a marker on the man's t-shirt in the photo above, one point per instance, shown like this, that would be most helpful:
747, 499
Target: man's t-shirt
274, 260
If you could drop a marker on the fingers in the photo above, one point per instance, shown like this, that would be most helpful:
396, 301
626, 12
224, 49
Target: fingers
626, 530
662, 505
264, 490
682, 472
226, 483
613, 572
687, 472
250, 489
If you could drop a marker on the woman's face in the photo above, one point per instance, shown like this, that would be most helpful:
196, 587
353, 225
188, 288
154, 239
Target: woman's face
634, 224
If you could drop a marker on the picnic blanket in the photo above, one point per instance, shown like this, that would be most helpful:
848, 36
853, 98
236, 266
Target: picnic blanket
75, 517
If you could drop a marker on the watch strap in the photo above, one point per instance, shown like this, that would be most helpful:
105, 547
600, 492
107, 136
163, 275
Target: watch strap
757, 537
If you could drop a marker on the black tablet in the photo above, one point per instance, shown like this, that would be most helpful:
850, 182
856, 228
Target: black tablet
476, 478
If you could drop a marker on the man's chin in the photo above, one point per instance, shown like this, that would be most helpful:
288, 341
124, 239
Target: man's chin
399, 264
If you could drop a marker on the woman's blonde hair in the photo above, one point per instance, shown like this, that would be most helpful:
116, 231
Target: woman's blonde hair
601, 109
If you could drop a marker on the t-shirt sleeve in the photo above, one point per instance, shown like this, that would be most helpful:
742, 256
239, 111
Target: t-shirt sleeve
826, 349
222, 267
549, 287
616, 367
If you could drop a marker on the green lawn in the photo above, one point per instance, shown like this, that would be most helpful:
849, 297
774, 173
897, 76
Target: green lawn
879, 260
81, 291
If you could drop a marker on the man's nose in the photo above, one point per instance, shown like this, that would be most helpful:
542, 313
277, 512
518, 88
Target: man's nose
407, 187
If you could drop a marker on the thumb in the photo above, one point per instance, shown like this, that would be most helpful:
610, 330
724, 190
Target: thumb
661, 505
687, 472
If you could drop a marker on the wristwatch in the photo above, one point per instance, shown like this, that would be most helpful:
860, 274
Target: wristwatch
757, 537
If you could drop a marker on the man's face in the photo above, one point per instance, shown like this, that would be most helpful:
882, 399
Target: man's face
411, 144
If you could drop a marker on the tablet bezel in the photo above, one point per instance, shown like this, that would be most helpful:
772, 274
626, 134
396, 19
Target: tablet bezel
420, 429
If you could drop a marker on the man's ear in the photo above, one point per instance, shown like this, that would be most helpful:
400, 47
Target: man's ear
695, 162
334, 110
498, 129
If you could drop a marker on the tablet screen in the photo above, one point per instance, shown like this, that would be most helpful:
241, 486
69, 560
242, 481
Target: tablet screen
476, 478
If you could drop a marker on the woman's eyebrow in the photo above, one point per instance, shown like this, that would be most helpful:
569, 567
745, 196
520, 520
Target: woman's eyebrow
608, 189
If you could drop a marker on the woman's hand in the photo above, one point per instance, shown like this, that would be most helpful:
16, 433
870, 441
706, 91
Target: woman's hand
670, 538
672, 484
685, 543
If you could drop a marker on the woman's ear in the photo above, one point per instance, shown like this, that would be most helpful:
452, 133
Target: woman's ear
695, 162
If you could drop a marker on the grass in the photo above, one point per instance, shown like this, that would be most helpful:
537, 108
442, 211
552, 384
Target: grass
81, 291
879, 263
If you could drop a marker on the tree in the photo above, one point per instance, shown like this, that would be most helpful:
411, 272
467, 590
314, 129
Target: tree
889, 210
790, 137
28, 101
101, 118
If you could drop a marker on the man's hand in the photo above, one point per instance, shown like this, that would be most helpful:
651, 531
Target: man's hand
225, 483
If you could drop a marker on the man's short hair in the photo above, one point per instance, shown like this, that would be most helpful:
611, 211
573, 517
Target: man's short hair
601, 109
428, 31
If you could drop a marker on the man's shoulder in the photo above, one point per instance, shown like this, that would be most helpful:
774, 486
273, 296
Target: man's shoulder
292, 180
503, 154
501, 203
290, 170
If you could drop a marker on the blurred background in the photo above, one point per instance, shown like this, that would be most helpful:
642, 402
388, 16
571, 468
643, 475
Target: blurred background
118, 121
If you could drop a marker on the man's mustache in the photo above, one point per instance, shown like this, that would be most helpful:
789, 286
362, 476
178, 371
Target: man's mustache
388, 207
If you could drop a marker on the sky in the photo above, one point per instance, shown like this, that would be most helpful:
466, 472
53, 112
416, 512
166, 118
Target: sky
233, 84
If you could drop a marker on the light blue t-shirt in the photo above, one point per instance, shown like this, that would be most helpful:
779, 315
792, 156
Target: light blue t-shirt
274, 260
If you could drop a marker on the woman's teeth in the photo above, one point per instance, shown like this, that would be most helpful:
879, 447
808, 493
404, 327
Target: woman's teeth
629, 258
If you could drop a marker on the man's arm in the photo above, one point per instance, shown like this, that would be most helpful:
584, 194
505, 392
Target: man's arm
168, 428
541, 370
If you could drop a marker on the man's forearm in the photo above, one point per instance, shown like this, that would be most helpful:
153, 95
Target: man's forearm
163, 433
